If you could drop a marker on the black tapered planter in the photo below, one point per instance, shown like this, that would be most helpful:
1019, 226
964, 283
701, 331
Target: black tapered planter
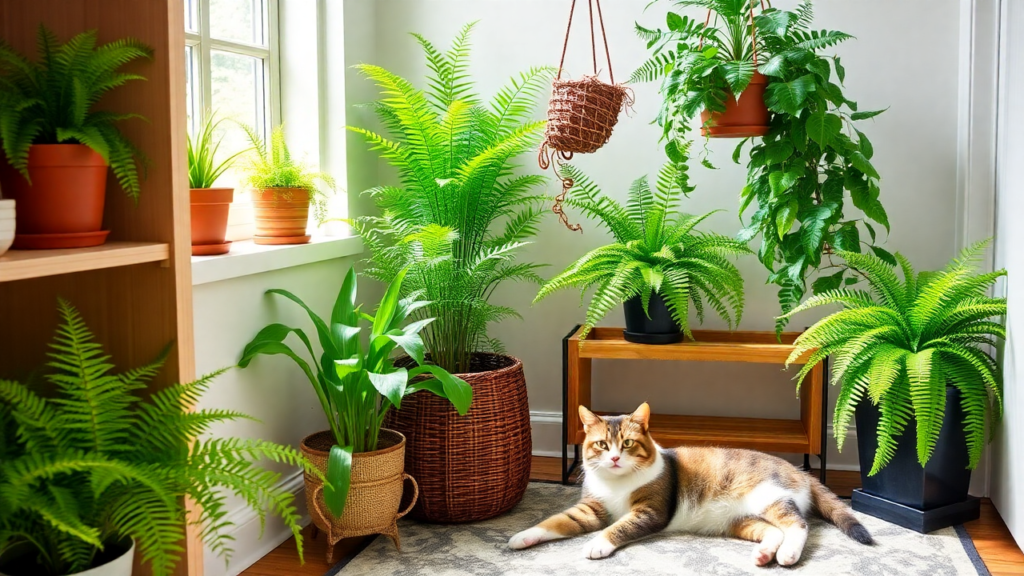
659, 328
905, 493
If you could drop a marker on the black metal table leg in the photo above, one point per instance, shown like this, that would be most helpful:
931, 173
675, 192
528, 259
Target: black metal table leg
823, 457
566, 467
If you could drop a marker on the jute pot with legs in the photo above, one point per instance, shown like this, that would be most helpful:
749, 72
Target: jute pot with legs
476, 466
375, 493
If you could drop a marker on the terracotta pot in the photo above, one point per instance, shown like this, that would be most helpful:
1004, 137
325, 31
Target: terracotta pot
373, 497
470, 467
748, 117
210, 207
281, 215
63, 205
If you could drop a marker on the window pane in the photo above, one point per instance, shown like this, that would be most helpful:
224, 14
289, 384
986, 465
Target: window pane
190, 16
237, 20
237, 85
190, 87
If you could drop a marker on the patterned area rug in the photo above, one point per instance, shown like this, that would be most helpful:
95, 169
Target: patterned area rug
480, 550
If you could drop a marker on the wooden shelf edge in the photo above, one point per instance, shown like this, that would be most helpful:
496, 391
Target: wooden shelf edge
709, 346
767, 434
26, 264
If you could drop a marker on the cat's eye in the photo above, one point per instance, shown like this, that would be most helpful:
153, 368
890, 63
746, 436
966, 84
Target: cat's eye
627, 443
601, 444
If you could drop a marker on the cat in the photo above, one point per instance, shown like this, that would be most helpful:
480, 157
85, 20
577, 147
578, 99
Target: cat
633, 488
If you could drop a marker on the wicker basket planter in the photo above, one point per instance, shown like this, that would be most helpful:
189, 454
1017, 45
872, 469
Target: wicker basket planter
476, 466
374, 495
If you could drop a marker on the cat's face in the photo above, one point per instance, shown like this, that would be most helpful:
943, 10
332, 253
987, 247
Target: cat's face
617, 445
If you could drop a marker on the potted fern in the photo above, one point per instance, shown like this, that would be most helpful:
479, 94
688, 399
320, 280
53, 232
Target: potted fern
94, 471
456, 219
284, 188
658, 264
914, 362
57, 147
209, 206
361, 461
708, 68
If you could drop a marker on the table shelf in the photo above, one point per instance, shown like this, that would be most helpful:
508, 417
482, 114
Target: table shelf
25, 264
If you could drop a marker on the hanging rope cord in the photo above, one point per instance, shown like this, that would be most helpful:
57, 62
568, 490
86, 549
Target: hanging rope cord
549, 155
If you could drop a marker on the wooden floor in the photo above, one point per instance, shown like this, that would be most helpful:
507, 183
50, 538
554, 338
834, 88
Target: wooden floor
990, 535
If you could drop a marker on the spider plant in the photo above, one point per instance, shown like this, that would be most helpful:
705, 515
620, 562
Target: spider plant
458, 214
656, 250
358, 387
271, 166
203, 167
88, 460
903, 342
50, 101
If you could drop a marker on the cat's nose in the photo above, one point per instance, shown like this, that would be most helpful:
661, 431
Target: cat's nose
615, 458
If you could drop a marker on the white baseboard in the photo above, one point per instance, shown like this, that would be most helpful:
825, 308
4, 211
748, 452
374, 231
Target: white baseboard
547, 437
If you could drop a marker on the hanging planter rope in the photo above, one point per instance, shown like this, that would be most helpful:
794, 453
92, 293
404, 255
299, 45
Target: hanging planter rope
581, 113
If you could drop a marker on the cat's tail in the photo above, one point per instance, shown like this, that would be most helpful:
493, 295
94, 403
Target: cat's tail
835, 511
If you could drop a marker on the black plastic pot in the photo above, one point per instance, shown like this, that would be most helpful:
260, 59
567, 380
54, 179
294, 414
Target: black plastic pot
659, 328
905, 493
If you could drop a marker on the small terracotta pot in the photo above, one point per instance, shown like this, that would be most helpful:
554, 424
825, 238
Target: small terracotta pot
209, 208
373, 496
64, 202
282, 215
748, 117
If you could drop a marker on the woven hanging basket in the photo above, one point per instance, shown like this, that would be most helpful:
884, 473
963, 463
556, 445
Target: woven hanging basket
581, 113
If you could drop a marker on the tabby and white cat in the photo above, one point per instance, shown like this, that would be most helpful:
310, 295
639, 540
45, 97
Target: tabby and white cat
633, 488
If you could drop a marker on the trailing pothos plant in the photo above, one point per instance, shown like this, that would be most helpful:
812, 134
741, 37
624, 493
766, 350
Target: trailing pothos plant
799, 174
699, 63
901, 344
357, 386
656, 250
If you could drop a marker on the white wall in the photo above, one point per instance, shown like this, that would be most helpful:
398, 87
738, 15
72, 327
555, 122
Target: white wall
1008, 446
916, 145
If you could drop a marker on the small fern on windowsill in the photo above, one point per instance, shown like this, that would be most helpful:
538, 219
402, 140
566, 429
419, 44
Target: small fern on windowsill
92, 463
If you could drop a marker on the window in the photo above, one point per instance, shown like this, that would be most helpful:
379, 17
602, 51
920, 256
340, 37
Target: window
231, 68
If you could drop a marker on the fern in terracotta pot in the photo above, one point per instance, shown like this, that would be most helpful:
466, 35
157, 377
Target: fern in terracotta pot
284, 189
58, 149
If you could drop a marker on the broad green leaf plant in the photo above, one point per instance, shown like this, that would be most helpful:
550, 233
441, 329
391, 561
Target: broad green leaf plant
656, 250
458, 214
271, 165
800, 173
51, 100
899, 346
356, 386
89, 460
698, 64
204, 166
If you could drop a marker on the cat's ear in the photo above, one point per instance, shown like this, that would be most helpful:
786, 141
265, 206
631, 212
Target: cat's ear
589, 418
641, 416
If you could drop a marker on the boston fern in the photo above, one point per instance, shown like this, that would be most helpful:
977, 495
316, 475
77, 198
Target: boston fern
656, 250
459, 214
91, 462
50, 101
800, 172
903, 342
271, 165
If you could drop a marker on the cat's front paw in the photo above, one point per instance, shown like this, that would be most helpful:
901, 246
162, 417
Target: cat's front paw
527, 538
598, 548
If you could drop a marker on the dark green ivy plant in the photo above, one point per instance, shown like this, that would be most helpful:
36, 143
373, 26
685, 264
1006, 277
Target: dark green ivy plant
800, 173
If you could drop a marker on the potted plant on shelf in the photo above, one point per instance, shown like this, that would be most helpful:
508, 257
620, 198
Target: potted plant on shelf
362, 462
93, 472
57, 147
283, 190
658, 264
708, 68
209, 206
913, 362
454, 154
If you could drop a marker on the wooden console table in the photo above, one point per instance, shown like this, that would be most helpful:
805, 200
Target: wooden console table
804, 436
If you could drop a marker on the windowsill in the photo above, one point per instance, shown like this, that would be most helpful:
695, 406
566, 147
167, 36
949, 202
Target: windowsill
247, 258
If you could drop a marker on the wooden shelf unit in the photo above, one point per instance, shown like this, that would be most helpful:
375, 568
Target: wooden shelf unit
25, 264
803, 436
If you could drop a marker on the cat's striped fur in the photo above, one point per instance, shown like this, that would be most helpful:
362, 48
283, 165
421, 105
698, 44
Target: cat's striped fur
633, 488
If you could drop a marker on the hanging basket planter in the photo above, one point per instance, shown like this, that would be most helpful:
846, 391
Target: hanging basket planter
744, 117
581, 113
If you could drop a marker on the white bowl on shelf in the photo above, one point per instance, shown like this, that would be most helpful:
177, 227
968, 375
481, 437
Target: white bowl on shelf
6, 225
6, 209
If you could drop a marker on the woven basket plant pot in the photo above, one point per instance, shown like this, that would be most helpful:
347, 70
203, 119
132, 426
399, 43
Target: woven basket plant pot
281, 215
582, 114
375, 493
476, 466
